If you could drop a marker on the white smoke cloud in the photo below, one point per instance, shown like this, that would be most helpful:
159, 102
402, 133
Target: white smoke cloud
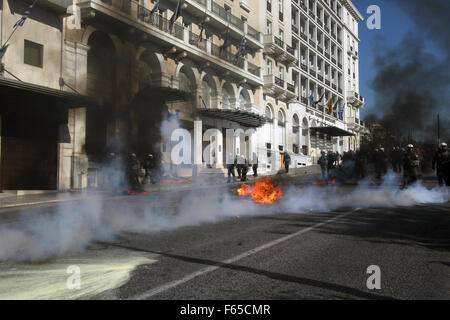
74, 225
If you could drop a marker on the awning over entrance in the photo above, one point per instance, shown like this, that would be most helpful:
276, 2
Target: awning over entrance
245, 118
15, 89
332, 131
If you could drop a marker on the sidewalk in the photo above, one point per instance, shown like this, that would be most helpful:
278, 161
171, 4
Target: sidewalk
11, 200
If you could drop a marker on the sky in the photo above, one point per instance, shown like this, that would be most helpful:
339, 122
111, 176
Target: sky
396, 23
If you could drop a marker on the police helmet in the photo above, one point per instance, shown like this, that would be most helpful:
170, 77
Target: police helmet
410, 146
443, 144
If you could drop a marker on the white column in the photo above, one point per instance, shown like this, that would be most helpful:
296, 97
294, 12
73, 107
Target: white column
198, 138
219, 149
275, 166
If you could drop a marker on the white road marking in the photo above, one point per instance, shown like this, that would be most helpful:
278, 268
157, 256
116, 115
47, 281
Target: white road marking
246, 254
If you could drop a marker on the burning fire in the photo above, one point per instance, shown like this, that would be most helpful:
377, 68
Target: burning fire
264, 191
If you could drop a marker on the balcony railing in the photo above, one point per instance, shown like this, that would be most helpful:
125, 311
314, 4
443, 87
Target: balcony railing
312, 72
333, 86
290, 49
311, 42
253, 69
279, 82
304, 36
252, 32
312, 14
195, 41
156, 20
303, 5
304, 100
295, 29
327, 82
320, 77
291, 87
227, 16
304, 67
279, 42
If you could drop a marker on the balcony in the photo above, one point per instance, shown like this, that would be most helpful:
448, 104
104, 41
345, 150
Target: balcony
304, 100
275, 47
304, 36
304, 67
128, 17
303, 6
295, 29
355, 99
219, 19
279, 89
58, 6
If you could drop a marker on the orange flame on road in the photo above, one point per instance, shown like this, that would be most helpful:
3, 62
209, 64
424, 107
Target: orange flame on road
264, 191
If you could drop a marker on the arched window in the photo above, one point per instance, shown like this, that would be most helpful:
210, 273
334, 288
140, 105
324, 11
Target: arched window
268, 112
185, 82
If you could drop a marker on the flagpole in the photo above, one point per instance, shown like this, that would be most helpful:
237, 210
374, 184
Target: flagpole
439, 130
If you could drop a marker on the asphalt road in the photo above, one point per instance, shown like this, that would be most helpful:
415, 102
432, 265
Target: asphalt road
231, 249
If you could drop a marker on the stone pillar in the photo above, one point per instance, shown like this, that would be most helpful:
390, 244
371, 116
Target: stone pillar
0, 151
198, 143
275, 155
72, 159
75, 66
219, 149
288, 137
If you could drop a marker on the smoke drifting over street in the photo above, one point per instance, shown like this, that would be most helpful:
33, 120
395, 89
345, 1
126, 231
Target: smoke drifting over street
411, 84
73, 226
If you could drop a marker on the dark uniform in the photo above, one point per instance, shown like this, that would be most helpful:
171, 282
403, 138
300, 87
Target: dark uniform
441, 162
133, 172
411, 166
255, 165
287, 161
380, 159
149, 167
360, 165
230, 166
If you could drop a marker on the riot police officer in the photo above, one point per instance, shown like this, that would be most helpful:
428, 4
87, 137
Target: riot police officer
441, 162
411, 164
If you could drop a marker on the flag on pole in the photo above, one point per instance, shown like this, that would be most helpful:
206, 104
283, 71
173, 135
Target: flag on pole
335, 107
27, 13
3, 51
226, 42
321, 97
311, 100
155, 8
201, 32
329, 105
341, 112
241, 49
177, 13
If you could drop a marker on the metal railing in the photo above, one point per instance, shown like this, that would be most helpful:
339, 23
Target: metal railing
290, 49
252, 32
291, 87
253, 69
227, 16
304, 67
279, 82
279, 42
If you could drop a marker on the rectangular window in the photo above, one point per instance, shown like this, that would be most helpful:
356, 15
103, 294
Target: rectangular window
33, 54
281, 73
269, 27
269, 5
269, 67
